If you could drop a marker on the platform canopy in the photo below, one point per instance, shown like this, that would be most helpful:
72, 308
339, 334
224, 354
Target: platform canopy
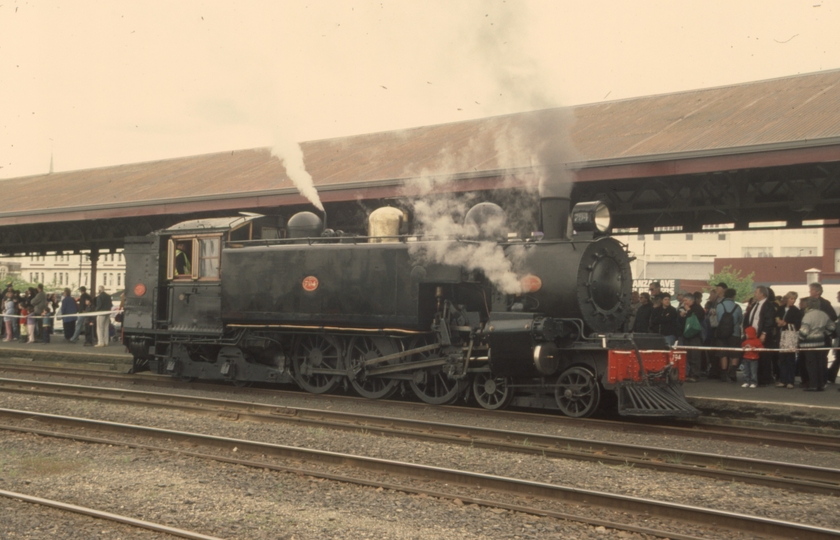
760, 151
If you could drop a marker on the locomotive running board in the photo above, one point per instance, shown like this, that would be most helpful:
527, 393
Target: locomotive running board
641, 400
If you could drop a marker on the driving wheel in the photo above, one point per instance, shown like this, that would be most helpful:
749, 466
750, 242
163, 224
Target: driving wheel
317, 352
364, 348
577, 392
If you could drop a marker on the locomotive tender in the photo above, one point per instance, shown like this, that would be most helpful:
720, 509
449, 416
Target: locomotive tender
237, 299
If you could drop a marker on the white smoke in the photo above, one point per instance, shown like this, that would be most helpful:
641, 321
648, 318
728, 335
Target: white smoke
290, 155
440, 216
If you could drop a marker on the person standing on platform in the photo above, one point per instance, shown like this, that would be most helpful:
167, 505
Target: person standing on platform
83, 301
8, 316
663, 320
635, 304
762, 317
655, 289
89, 322
641, 324
788, 317
39, 304
692, 330
103, 322
815, 326
751, 356
728, 334
815, 290
69, 307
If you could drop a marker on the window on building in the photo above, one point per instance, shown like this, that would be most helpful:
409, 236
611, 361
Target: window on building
793, 251
85, 279
757, 251
722, 236
640, 237
104, 279
657, 237
119, 280
689, 236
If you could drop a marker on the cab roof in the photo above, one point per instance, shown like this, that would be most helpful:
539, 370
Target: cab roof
222, 224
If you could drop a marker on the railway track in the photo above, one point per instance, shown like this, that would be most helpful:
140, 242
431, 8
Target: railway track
369, 471
793, 439
99, 514
780, 475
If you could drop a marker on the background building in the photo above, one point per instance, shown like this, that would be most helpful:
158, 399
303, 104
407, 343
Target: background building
58, 271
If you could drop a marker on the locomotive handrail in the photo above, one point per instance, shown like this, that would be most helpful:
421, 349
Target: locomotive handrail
361, 239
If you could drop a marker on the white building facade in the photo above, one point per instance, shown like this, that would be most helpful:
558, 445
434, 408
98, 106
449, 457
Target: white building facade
679, 255
58, 271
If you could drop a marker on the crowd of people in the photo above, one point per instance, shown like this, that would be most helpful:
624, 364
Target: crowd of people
32, 316
772, 341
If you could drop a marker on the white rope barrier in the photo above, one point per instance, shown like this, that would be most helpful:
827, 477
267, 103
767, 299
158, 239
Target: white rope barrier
62, 316
745, 349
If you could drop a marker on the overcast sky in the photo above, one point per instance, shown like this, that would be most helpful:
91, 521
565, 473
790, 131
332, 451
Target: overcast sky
113, 81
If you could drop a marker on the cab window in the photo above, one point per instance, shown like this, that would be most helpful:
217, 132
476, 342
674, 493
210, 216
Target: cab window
208, 257
180, 258
194, 258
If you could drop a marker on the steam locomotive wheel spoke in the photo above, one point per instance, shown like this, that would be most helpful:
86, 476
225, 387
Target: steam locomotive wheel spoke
577, 392
316, 352
492, 393
363, 349
435, 387
432, 386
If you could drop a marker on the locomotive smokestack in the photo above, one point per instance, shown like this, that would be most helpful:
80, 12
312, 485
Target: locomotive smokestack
555, 205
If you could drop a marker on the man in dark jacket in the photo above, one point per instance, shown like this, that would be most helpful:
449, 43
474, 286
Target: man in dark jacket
641, 324
663, 320
39, 304
69, 307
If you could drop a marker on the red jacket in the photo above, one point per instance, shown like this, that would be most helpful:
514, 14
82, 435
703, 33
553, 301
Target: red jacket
751, 341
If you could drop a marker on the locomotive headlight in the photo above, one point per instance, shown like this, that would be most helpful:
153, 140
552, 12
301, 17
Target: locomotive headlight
591, 216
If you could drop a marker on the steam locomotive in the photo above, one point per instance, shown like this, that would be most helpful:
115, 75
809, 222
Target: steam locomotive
242, 300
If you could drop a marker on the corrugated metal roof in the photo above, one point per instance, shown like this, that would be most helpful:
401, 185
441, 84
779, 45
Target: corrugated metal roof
766, 115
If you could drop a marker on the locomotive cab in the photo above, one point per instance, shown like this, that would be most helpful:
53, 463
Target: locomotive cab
173, 279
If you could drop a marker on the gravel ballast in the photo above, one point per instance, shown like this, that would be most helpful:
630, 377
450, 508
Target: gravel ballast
797, 507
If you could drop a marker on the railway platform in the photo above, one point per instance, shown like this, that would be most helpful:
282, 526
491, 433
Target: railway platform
767, 404
114, 357
717, 400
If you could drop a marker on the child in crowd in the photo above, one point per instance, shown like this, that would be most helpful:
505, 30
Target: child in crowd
751, 358
30, 324
23, 337
46, 329
90, 324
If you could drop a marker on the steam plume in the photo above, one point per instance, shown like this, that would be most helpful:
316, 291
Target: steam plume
290, 154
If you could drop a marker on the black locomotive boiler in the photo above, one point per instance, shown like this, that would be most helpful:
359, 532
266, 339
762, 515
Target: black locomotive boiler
243, 300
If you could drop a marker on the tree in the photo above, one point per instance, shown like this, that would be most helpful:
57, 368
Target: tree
733, 279
18, 283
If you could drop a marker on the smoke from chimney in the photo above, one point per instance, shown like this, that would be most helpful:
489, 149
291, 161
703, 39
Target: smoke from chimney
290, 154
